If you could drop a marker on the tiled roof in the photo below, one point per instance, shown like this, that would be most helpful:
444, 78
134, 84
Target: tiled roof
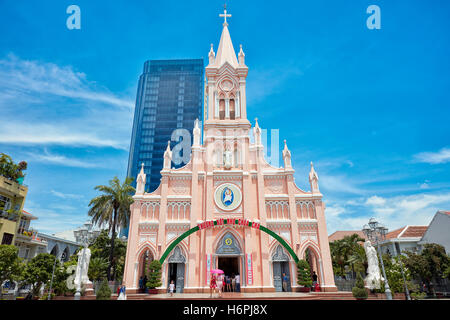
29, 215
339, 235
407, 232
395, 233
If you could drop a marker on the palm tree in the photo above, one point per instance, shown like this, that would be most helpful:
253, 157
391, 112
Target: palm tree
97, 268
112, 208
358, 259
337, 249
352, 246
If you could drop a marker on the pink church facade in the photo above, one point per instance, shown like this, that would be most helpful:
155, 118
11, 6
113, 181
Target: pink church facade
228, 177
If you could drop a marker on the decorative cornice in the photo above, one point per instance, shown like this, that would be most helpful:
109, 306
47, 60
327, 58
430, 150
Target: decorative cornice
281, 195
179, 197
183, 176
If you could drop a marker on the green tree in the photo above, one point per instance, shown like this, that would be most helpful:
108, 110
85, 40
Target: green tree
394, 273
11, 170
351, 248
112, 208
154, 274
358, 259
303, 273
447, 272
39, 271
337, 257
97, 268
359, 291
431, 264
101, 248
348, 252
11, 266
104, 292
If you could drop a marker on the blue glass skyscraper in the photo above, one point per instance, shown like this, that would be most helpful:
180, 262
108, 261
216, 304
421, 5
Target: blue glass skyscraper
169, 97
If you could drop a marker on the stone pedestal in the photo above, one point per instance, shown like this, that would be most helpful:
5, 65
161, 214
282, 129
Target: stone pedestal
89, 289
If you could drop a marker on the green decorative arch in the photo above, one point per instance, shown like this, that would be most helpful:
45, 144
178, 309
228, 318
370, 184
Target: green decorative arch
235, 222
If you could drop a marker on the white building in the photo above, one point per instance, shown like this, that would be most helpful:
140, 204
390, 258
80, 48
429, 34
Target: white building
438, 231
404, 239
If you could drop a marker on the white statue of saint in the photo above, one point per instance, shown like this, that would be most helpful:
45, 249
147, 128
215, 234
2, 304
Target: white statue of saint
227, 159
81, 274
374, 278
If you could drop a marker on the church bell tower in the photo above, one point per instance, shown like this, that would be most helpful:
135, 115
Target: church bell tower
226, 116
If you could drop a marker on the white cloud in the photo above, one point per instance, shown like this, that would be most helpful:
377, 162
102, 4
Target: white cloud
424, 186
394, 212
333, 211
23, 133
442, 156
46, 104
62, 160
22, 77
263, 83
339, 184
66, 195
375, 201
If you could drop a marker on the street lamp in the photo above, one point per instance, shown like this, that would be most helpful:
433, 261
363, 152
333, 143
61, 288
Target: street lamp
84, 235
376, 231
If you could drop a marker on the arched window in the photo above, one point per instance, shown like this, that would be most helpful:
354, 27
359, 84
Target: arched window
222, 109
232, 110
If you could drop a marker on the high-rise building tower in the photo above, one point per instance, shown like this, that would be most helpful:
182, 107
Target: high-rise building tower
169, 97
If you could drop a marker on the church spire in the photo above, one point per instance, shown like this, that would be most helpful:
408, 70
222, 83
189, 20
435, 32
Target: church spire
140, 181
167, 157
225, 52
287, 156
314, 180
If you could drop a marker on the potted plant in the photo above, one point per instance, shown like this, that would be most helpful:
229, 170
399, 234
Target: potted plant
154, 276
359, 292
304, 276
104, 292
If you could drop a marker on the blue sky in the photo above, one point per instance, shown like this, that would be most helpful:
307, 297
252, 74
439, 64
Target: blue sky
368, 107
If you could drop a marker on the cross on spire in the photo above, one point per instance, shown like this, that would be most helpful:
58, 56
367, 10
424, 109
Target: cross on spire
225, 15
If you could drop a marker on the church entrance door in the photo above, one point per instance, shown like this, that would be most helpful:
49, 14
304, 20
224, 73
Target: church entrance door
176, 273
176, 269
229, 265
278, 269
280, 265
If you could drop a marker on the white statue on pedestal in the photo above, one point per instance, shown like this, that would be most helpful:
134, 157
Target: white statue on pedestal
374, 278
228, 159
81, 274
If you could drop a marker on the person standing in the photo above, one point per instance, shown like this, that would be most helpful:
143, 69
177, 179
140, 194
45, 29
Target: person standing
141, 284
233, 282
224, 282
171, 288
220, 285
122, 293
238, 283
285, 282
145, 283
228, 284
212, 285
314, 278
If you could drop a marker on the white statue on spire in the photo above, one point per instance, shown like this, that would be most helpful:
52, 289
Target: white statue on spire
140, 182
196, 132
286, 156
167, 157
